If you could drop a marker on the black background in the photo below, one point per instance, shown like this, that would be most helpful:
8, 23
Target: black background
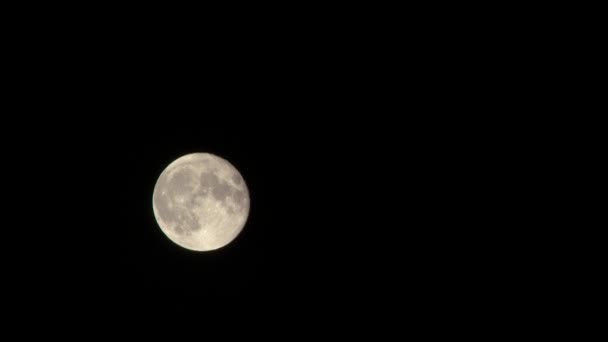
372, 175
346, 211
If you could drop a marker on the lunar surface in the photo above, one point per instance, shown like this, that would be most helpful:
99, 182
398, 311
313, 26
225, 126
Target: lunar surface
201, 202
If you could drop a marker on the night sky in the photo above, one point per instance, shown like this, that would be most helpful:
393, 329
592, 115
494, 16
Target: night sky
343, 209
365, 189
332, 221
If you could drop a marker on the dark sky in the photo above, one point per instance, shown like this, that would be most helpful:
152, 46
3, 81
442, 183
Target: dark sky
338, 215
345, 209
367, 188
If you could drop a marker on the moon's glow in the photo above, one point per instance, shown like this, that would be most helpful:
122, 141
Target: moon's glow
201, 202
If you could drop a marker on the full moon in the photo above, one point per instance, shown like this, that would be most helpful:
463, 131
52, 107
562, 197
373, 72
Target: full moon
201, 202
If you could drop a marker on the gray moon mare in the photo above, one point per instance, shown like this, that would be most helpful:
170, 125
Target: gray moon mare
201, 202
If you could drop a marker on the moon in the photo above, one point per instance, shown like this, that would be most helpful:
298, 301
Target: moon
201, 202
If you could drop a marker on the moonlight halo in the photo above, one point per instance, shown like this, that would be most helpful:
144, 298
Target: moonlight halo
201, 202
